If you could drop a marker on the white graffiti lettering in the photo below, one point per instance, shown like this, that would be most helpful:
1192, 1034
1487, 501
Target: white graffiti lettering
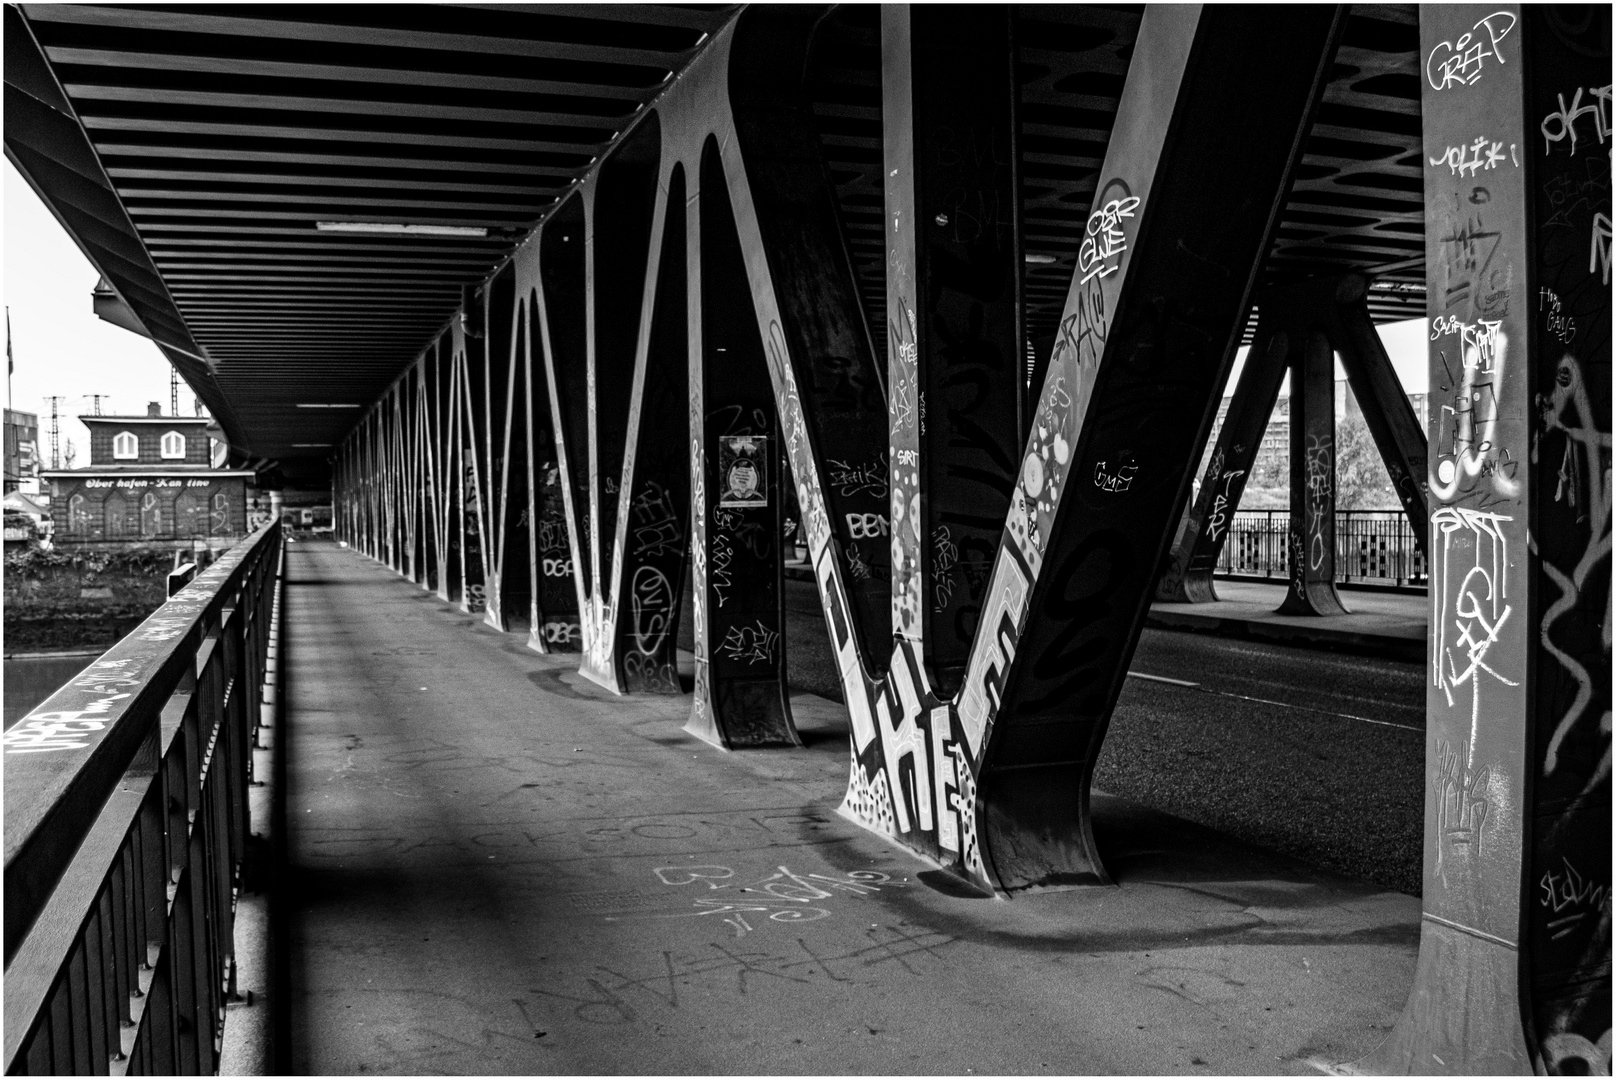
1480, 156
871, 526
1460, 62
1561, 124
1101, 253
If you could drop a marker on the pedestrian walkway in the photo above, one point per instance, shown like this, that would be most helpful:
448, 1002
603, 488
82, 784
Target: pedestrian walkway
498, 867
1382, 623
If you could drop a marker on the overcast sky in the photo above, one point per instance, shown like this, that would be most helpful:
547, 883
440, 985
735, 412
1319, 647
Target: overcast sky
58, 344
60, 347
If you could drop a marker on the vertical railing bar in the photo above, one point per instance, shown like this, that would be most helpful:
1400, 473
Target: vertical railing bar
95, 991
61, 1029
78, 1009
123, 887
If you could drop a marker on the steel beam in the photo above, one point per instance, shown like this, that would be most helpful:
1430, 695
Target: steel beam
621, 201
653, 517
561, 297
1184, 212
1514, 967
1311, 581
1336, 307
510, 594
740, 691
955, 343
1207, 518
471, 361
1384, 403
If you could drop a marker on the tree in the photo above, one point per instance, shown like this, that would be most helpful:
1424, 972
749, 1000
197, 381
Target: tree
1361, 480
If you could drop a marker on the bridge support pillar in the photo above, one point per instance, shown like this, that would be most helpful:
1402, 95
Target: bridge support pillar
566, 550
1514, 967
1207, 518
1150, 329
956, 354
1312, 453
740, 693
654, 514
1337, 308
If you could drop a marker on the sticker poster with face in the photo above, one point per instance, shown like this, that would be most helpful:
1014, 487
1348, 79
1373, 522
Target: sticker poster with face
741, 473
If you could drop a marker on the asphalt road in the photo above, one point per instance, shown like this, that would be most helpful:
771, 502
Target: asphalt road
1314, 754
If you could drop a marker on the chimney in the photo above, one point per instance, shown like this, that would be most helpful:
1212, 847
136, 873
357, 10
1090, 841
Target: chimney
154, 408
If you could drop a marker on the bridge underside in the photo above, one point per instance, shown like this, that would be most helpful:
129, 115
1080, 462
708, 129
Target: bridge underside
945, 297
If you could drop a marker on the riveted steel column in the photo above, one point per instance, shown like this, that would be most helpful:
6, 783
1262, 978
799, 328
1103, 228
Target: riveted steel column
740, 648
1312, 454
1514, 967
956, 353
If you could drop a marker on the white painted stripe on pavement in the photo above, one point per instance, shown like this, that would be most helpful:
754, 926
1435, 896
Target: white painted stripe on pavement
1162, 678
1321, 712
1270, 701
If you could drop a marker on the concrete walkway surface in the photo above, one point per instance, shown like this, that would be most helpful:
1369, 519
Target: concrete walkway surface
1381, 623
495, 866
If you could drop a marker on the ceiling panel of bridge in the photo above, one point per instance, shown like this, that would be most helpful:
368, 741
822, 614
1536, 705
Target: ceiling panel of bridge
228, 131
1357, 203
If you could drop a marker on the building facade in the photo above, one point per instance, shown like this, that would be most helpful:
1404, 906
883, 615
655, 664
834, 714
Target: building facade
151, 479
22, 451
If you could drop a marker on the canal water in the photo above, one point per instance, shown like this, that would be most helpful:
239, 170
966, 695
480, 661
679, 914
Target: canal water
30, 680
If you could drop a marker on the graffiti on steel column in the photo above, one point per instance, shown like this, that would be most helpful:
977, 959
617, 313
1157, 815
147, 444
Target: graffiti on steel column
1462, 61
1223, 500
1470, 580
915, 758
1469, 453
656, 551
1583, 485
1319, 470
1569, 905
906, 428
561, 629
1465, 797
653, 606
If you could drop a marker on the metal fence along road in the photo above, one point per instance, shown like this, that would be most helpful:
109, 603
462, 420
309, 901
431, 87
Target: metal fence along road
126, 825
1371, 547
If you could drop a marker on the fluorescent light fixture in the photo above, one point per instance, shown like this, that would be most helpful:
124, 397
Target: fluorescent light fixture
1038, 260
398, 228
328, 405
309, 445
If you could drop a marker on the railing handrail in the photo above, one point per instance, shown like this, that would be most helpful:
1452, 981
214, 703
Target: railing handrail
64, 759
1371, 546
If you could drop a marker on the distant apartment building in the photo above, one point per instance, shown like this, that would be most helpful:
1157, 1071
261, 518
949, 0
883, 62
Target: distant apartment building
22, 452
151, 479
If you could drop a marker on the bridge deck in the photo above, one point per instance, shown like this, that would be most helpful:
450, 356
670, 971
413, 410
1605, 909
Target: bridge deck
497, 867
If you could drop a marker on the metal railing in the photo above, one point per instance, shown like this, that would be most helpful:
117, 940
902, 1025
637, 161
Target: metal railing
126, 823
1371, 547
